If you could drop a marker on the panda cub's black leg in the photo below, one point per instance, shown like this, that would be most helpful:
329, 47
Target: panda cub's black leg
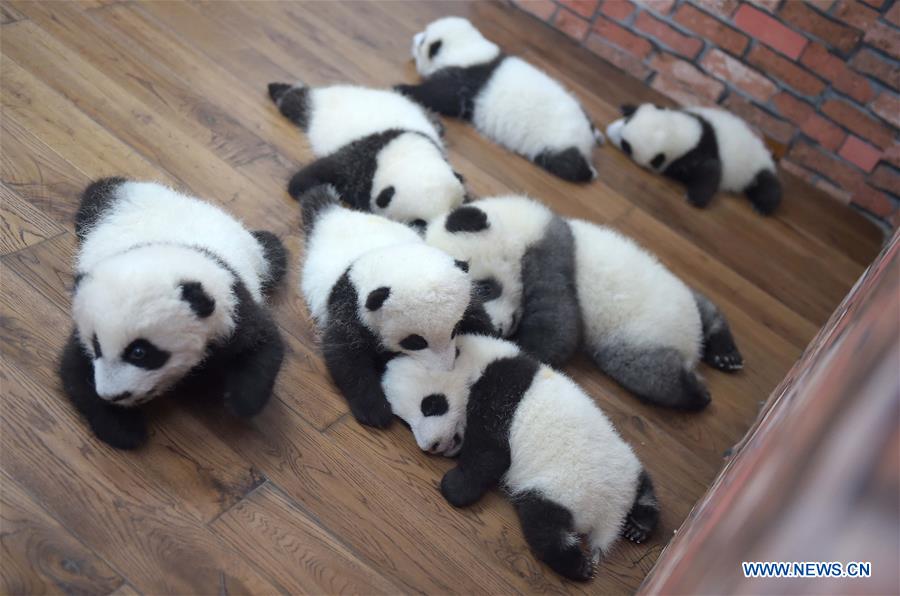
764, 192
122, 428
719, 347
569, 165
275, 255
443, 92
292, 102
644, 515
549, 530
703, 182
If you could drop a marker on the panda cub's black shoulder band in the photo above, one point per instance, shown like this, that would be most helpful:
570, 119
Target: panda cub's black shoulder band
466, 219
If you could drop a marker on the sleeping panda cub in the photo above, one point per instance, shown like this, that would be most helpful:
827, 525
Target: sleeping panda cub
520, 424
507, 99
170, 291
382, 152
705, 149
375, 291
554, 285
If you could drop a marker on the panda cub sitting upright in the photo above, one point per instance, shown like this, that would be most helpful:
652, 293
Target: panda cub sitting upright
376, 290
507, 99
168, 289
519, 423
553, 285
382, 152
705, 149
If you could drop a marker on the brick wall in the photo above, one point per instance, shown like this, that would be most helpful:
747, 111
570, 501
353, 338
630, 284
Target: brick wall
818, 77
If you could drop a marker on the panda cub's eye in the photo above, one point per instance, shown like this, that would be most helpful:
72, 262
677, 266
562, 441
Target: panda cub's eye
435, 405
143, 354
98, 353
488, 289
626, 147
413, 342
434, 48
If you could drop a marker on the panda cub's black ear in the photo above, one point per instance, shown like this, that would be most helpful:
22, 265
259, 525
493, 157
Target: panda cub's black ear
628, 109
459, 177
377, 297
467, 219
464, 265
434, 48
200, 302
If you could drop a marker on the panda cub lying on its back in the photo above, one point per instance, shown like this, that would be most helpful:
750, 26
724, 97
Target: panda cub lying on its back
376, 290
382, 152
507, 99
705, 149
168, 289
553, 285
521, 424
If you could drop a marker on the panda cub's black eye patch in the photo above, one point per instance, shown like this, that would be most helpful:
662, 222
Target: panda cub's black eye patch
435, 405
143, 354
658, 161
385, 196
434, 48
98, 353
626, 147
413, 342
488, 289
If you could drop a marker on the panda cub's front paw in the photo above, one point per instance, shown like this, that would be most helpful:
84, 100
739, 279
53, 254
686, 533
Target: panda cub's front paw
457, 490
119, 427
373, 412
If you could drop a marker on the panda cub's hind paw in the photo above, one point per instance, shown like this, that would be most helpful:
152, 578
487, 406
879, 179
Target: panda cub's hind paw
728, 362
722, 353
634, 532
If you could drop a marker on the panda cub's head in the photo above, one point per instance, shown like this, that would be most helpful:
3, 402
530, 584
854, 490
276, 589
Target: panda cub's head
413, 181
653, 136
413, 297
451, 41
146, 317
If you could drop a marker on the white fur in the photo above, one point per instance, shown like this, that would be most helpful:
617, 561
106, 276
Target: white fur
424, 183
652, 130
625, 294
134, 260
428, 292
561, 443
344, 113
520, 107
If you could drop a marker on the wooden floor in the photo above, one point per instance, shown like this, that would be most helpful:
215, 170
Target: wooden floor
303, 498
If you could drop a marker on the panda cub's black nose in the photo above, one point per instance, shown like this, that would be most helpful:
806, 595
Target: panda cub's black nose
121, 396
434, 447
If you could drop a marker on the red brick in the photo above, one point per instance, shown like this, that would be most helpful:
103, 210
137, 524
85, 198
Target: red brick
833, 191
885, 38
860, 153
858, 121
886, 178
622, 37
819, 60
856, 14
769, 31
806, 19
684, 82
584, 8
723, 8
617, 57
542, 9
887, 106
733, 71
892, 155
617, 9
792, 108
822, 5
770, 126
823, 130
874, 201
875, 3
893, 15
660, 6
827, 165
777, 66
571, 24
868, 62
767, 5
712, 29
677, 41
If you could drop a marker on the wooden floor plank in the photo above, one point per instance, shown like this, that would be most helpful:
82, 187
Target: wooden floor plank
21, 224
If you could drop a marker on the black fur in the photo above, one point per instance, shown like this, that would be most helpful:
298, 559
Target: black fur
643, 517
143, 354
551, 324
476, 320
434, 405
719, 347
315, 201
276, 256
569, 164
700, 168
628, 110
293, 102
413, 342
95, 199
764, 192
376, 298
466, 219
485, 455
200, 302
548, 529
452, 91
355, 357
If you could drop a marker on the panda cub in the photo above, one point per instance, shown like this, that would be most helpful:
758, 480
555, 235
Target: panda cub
519, 423
705, 149
376, 290
553, 285
382, 152
169, 291
507, 99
